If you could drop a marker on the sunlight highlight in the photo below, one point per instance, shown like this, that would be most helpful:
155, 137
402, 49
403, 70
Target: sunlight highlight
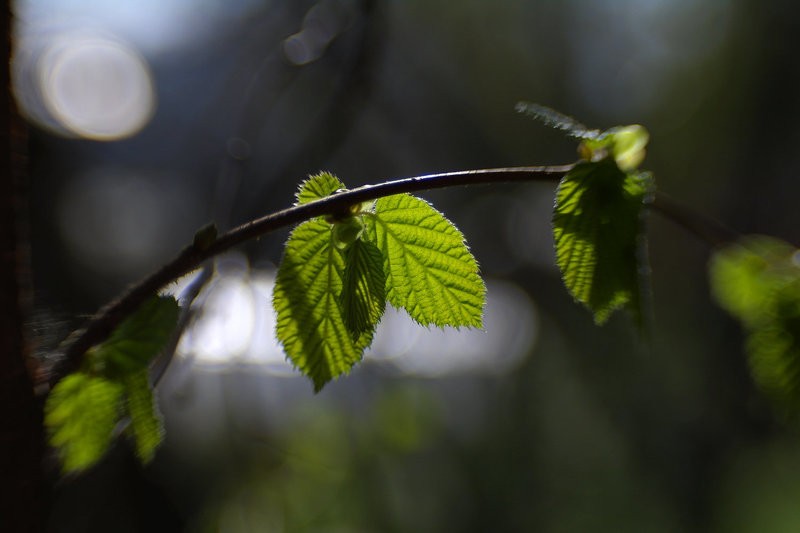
236, 325
509, 334
95, 87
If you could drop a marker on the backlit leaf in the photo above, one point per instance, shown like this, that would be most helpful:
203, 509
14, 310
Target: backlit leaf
306, 297
139, 338
146, 425
81, 414
363, 296
597, 228
347, 231
318, 186
628, 145
430, 272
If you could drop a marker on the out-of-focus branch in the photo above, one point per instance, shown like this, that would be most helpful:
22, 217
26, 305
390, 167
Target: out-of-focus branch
705, 228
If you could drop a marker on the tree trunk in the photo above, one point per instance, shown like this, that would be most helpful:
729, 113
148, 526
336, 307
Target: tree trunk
22, 502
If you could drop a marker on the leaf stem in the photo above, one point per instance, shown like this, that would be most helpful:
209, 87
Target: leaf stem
108, 317
705, 228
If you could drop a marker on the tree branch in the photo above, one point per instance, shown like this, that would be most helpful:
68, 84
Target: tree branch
108, 317
705, 228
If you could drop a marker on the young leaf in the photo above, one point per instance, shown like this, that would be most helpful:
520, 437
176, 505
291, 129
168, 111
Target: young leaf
310, 323
628, 145
758, 282
146, 425
363, 296
430, 272
81, 413
597, 230
318, 186
347, 231
138, 339
554, 119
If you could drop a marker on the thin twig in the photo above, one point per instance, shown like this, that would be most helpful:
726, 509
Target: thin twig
107, 318
707, 229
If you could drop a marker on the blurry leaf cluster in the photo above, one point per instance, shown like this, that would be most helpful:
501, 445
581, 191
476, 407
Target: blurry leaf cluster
84, 409
757, 280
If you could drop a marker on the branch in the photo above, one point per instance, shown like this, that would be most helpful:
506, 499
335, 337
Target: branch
108, 317
705, 228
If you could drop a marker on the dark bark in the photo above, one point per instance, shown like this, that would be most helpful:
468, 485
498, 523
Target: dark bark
21, 445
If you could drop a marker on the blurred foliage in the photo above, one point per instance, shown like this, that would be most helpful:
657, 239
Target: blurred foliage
81, 413
145, 419
131, 346
758, 491
83, 409
758, 281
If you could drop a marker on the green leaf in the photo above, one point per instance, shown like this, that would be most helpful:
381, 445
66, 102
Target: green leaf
146, 425
430, 272
597, 228
306, 297
139, 338
628, 145
81, 413
317, 187
363, 296
83, 408
745, 276
758, 281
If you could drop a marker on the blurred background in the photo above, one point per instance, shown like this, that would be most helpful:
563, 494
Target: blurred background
150, 119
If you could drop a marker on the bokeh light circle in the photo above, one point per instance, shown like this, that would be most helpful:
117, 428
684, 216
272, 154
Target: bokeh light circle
95, 87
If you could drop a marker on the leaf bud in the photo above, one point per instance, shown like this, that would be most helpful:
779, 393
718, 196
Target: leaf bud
347, 232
